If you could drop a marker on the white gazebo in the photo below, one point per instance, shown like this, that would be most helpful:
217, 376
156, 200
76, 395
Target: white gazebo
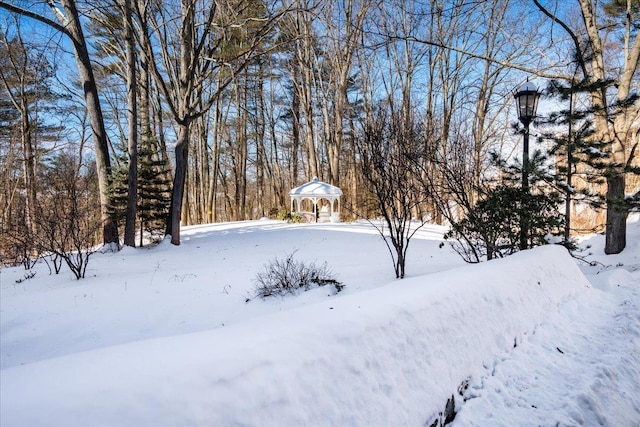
316, 191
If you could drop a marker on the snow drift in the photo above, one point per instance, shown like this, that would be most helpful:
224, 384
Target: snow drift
387, 356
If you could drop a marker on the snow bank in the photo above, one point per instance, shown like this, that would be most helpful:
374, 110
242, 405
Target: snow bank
389, 356
581, 367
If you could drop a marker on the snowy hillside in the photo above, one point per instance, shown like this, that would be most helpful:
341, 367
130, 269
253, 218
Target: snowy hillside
165, 336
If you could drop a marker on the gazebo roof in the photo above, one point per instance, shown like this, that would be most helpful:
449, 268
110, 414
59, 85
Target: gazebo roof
316, 188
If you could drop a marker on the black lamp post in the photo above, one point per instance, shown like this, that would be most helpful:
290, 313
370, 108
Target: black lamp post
527, 97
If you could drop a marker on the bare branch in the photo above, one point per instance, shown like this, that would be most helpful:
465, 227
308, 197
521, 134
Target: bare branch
576, 42
29, 14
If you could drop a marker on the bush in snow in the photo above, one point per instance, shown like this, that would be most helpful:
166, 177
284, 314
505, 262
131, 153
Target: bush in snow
492, 227
68, 222
288, 216
288, 276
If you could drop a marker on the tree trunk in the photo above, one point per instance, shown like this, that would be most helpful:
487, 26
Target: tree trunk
132, 143
101, 147
70, 26
215, 163
20, 101
616, 236
260, 142
179, 179
616, 136
29, 170
295, 136
303, 68
184, 92
312, 163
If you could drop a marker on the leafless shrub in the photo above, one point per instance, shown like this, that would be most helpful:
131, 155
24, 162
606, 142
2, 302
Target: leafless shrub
289, 276
391, 151
68, 223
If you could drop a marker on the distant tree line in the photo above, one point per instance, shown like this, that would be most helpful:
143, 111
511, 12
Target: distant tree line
193, 111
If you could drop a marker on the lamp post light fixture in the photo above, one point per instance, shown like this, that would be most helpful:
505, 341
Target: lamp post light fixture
527, 97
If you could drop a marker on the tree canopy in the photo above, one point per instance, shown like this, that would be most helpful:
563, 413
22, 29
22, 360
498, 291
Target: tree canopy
226, 105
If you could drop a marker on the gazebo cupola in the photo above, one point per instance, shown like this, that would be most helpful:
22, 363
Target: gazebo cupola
316, 191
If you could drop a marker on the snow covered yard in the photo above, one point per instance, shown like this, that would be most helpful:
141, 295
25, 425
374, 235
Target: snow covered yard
164, 336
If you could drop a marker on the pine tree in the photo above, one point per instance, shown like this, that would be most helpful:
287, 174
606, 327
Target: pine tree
491, 227
154, 189
581, 162
154, 194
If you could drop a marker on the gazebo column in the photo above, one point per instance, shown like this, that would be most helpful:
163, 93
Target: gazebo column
335, 215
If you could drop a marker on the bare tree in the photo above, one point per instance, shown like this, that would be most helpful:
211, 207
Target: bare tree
459, 91
303, 78
183, 69
116, 52
391, 155
70, 25
344, 21
132, 119
68, 223
20, 77
26, 76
